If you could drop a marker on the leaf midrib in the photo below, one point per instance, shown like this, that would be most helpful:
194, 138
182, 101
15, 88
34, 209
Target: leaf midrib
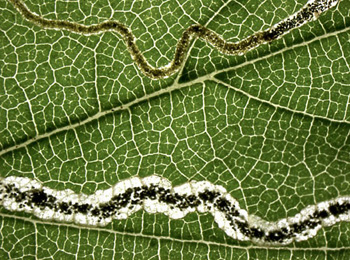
177, 86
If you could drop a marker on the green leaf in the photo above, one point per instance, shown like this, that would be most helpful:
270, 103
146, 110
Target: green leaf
271, 126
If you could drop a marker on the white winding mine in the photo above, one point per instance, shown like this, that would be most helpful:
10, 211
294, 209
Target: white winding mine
24, 194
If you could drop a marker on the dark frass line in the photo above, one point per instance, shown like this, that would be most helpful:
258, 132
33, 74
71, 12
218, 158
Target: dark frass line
156, 195
311, 10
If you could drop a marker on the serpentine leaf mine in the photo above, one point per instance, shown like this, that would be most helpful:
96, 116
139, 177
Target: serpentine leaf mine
156, 195
311, 11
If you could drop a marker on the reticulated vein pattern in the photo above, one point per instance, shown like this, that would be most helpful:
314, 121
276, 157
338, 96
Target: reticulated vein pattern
156, 195
310, 11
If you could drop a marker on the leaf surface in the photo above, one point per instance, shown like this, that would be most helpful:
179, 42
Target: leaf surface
271, 126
